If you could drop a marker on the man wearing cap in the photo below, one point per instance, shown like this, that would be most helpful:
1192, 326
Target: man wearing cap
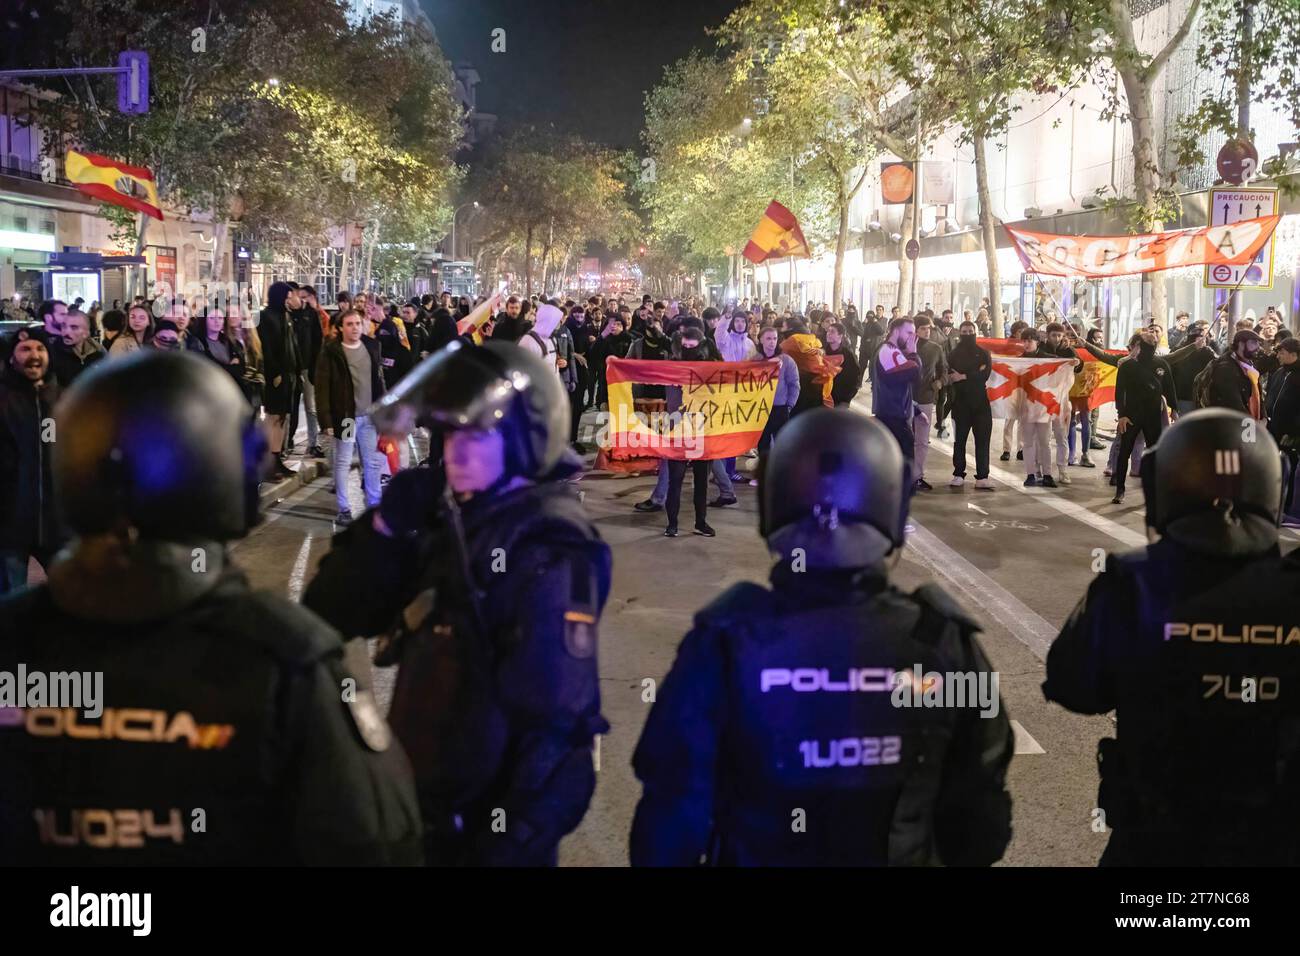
1234, 381
28, 525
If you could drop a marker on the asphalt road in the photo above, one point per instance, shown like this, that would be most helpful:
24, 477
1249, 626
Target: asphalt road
1018, 558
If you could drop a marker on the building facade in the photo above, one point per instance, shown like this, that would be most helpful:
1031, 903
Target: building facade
1049, 173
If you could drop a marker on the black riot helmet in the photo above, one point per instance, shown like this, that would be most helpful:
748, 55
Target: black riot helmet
1214, 483
497, 385
835, 484
162, 442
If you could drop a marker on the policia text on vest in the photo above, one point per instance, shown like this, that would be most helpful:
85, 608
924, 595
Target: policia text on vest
907, 688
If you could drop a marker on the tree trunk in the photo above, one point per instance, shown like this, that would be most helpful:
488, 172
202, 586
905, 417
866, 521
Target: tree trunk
904, 264
370, 255
1146, 175
343, 269
841, 246
139, 251
1139, 74
546, 264
528, 262
988, 229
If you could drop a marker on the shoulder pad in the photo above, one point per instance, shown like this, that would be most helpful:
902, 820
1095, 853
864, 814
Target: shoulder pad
1127, 560
942, 603
745, 599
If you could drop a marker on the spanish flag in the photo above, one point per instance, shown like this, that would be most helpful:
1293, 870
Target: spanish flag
724, 408
475, 320
131, 187
776, 236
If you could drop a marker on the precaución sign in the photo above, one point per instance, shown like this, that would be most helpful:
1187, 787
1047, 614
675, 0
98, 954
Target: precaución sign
1232, 204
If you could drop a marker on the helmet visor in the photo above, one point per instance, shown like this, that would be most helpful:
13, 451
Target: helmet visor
459, 387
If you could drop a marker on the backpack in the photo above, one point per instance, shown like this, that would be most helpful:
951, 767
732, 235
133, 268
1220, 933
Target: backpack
1202, 386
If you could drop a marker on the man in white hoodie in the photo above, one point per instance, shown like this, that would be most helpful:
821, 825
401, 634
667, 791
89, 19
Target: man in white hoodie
538, 339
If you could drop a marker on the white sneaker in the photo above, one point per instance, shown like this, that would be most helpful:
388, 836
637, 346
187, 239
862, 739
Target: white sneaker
1062, 478
957, 481
984, 484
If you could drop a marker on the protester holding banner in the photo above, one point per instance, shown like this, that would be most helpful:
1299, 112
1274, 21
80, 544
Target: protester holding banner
969, 368
1035, 433
1056, 345
1141, 386
787, 389
689, 347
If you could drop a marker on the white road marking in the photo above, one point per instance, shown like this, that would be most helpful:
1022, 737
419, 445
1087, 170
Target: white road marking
1065, 506
1025, 744
286, 505
1023, 623
974, 507
297, 577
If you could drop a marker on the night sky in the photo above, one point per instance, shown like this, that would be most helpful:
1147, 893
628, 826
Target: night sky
584, 65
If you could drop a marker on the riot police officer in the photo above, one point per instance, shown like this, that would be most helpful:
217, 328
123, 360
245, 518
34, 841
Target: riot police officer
488, 579
225, 728
787, 731
1194, 645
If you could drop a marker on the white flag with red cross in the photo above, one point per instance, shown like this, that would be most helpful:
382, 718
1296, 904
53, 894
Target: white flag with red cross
1030, 389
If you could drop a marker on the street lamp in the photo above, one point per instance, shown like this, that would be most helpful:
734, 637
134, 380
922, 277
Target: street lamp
453, 226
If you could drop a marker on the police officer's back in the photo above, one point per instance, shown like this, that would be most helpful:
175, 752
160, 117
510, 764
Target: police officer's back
775, 739
1194, 642
224, 736
492, 594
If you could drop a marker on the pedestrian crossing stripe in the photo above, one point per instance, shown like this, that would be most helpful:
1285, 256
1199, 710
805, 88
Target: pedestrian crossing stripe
1227, 461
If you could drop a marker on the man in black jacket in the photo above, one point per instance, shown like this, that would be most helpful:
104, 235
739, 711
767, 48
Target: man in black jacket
306, 323
28, 523
280, 351
1187, 361
76, 351
1283, 406
969, 368
1234, 381
1141, 385
349, 379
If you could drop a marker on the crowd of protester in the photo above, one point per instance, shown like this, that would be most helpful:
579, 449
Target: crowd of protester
926, 372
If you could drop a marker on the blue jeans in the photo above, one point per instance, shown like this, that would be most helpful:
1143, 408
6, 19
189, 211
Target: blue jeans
1084, 421
366, 440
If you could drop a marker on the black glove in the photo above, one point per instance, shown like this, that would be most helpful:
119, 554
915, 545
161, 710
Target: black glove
411, 500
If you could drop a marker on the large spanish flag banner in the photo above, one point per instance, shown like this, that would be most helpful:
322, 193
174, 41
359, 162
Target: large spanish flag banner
725, 406
776, 236
1096, 382
131, 187
1098, 257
